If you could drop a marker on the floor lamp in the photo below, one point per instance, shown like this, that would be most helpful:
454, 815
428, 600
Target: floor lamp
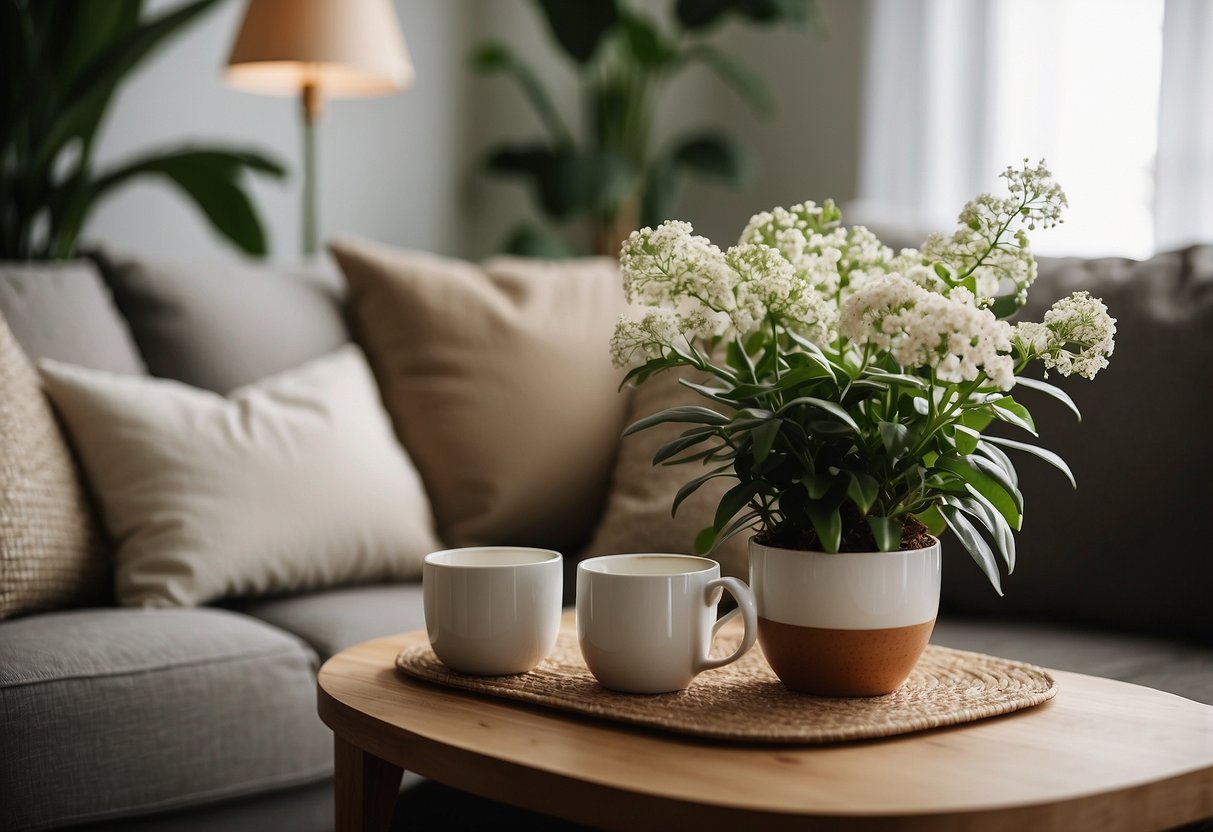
319, 49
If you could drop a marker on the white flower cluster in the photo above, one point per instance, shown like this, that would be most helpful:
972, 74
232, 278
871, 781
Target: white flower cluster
920, 328
997, 266
658, 332
1076, 337
669, 265
767, 284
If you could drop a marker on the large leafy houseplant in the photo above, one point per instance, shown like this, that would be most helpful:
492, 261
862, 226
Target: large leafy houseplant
607, 174
851, 387
63, 60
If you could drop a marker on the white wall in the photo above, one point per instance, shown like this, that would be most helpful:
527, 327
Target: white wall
402, 169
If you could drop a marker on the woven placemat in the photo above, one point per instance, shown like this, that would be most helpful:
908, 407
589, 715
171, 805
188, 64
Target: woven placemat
746, 702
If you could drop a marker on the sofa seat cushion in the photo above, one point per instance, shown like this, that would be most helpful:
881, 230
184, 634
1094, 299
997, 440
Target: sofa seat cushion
1185, 669
333, 620
114, 712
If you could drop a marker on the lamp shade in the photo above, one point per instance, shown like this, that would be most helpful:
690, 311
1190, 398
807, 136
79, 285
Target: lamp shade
345, 48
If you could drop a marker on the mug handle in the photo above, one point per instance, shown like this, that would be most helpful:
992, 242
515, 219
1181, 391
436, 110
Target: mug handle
749, 612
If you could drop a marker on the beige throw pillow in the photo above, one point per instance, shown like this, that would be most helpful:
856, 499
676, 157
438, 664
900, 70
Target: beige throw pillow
637, 517
51, 551
499, 381
292, 483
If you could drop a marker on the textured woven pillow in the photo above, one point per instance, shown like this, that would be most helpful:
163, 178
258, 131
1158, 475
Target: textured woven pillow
637, 516
499, 381
293, 483
51, 554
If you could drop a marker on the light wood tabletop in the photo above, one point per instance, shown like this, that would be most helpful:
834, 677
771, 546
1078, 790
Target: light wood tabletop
1102, 755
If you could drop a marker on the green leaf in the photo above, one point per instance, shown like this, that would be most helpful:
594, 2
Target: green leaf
694, 485
494, 57
704, 540
675, 447
966, 440
528, 241
1008, 410
827, 522
716, 156
832, 408
645, 41
764, 438
734, 500
862, 489
932, 519
887, 531
580, 26
990, 481
977, 507
698, 14
974, 543
567, 181
817, 485
1047, 455
690, 414
210, 178
995, 455
751, 88
895, 378
85, 99
1050, 390
895, 437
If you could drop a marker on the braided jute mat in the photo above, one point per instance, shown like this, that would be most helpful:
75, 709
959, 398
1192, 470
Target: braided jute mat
746, 702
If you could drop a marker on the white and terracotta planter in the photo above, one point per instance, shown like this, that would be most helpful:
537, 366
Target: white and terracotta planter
847, 624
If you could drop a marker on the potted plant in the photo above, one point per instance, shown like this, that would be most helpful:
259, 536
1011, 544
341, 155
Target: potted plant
608, 173
63, 61
850, 393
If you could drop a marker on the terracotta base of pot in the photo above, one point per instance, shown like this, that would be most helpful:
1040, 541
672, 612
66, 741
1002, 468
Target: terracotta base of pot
827, 662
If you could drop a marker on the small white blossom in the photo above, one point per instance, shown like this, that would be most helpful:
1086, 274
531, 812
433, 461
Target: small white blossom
1081, 335
657, 332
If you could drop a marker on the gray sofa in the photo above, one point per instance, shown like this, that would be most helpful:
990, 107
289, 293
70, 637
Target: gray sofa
116, 718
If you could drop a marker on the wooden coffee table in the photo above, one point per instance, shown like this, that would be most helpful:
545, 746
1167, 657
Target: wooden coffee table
1102, 755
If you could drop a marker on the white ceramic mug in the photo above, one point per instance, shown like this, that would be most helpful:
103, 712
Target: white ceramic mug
492, 610
646, 622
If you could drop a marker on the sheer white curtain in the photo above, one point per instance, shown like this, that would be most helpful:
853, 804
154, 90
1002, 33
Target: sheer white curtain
1184, 190
1119, 103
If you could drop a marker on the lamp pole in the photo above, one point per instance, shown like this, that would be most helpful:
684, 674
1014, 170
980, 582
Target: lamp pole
312, 106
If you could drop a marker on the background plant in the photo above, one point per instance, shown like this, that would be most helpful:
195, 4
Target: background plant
63, 60
607, 173
851, 388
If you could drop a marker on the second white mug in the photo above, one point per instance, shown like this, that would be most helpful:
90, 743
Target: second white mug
645, 622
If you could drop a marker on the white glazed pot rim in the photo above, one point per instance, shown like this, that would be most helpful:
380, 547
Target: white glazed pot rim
539, 557
593, 565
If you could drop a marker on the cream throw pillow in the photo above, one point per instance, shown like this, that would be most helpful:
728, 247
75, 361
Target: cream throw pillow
292, 483
51, 552
499, 381
637, 517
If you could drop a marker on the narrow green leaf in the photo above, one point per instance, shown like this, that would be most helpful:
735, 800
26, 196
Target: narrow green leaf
990, 481
1047, 455
1050, 390
978, 507
716, 156
827, 522
704, 540
895, 378
887, 531
974, 543
734, 500
694, 485
862, 489
1012, 412
995, 455
895, 437
673, 448
932, 519
688, 414
764, 438
832, 408
966, 440
817, 485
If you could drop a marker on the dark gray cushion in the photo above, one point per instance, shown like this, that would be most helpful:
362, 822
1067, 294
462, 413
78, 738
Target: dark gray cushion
1128, 549
1175, 667
222, 325
333, 620
63, 311
114, 712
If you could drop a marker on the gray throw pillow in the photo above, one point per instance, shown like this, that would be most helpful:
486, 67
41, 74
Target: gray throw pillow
223, 325
63, 311
1127, 549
